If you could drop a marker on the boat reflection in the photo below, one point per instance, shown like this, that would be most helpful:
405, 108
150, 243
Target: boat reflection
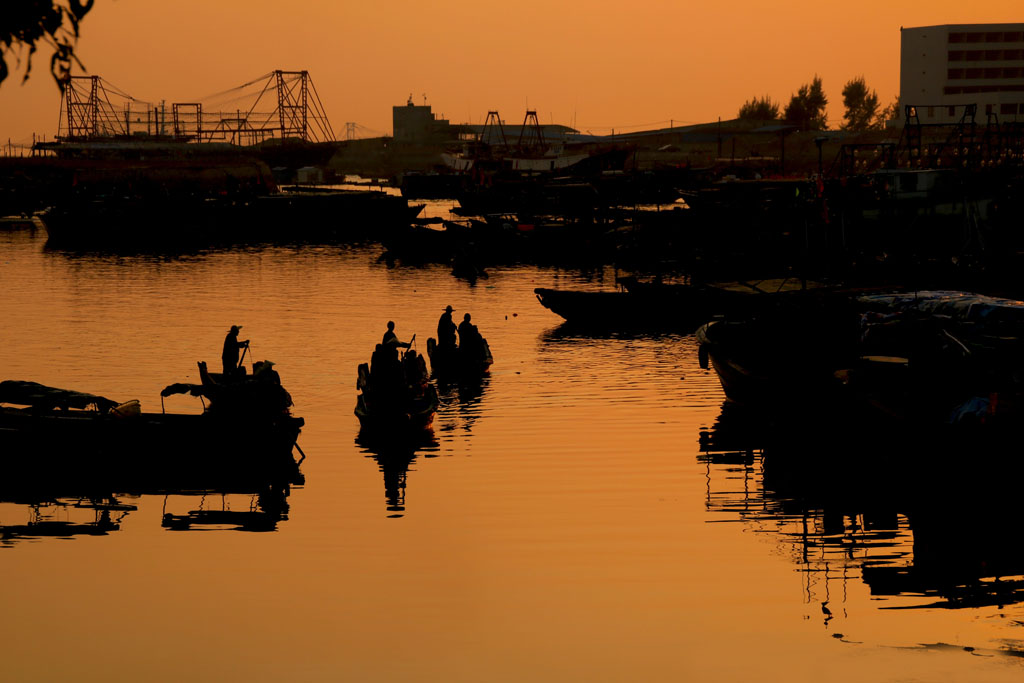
395, 454
62, 518
461, 403
924, 524
217, 511
84, 500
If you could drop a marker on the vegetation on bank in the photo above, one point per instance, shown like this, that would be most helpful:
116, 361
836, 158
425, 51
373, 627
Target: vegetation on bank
806, 108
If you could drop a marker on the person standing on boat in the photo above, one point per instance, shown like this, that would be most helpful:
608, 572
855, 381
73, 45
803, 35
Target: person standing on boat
446, 330
229, 356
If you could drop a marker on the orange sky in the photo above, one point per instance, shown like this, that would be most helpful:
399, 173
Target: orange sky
598, 65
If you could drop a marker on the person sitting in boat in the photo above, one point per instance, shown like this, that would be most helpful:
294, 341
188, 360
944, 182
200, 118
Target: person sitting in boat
414, 369
229, 355
446, 330
469, 336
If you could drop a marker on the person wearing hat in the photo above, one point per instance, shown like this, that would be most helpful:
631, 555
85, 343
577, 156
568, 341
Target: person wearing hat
229, 356
446, 330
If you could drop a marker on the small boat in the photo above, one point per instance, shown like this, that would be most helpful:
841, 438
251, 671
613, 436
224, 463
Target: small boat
246, 427
395, 392
460, 362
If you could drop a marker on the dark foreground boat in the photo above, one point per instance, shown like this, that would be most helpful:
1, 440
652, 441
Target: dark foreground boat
395, 393
929, 358
246, 428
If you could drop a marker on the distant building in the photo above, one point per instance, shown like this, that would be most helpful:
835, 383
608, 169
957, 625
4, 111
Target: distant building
945, 67
417, 125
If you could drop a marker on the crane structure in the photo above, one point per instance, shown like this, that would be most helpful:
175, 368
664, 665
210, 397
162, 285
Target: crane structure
286, 107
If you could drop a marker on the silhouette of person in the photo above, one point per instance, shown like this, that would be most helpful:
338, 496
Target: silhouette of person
468, 335
391, 339
229, 355
446, 330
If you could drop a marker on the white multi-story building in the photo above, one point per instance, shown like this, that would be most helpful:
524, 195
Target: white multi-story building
943, 68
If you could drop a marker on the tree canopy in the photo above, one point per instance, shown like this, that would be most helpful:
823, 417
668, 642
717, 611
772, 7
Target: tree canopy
806, 109
24, 24
760, 109
861, 106
889, 113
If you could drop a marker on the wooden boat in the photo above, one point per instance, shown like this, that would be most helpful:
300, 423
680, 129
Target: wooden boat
246, 427
668, 307
395, 397
934, 359
459, 363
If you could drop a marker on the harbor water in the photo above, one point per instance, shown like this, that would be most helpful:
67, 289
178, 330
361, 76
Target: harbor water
565, 522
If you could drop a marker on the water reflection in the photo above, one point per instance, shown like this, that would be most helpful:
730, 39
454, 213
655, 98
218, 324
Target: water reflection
65, 517
461, 403
61, 518
252, 512
394, 455
925, 522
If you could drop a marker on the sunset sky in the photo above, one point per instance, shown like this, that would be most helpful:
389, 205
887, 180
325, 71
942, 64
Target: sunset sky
597, 65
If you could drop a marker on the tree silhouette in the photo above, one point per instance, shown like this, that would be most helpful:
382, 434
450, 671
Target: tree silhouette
861, 106
759, 109
889, 113
27, 23
806, 109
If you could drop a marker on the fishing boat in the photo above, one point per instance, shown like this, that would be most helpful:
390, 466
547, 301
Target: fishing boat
653, 305
245, 426
930, 358
462, 362
395, 392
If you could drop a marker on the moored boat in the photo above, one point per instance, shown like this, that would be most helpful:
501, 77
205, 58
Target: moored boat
246, 427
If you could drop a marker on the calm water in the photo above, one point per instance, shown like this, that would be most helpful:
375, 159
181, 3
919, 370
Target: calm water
565, 524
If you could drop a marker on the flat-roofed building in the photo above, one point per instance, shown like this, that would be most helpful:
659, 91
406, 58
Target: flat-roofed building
943, 68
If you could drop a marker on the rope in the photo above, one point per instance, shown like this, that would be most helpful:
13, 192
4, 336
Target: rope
237, 87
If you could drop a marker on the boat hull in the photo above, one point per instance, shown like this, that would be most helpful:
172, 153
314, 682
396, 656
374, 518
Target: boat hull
170, 451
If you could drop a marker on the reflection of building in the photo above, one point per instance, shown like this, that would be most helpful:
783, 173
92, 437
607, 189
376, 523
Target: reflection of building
942, 67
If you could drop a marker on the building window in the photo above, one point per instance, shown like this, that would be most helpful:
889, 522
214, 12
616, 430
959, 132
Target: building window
1012, 36
993, 55
974, 37
973, 55
957, 37
953, 74
974, 73
988, 108
995, 37
993, 73
951, 111
955, 56
1007, 109
1020, 109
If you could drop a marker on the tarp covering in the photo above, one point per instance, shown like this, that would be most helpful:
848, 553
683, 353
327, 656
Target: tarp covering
964, 307
37, 395
183, 388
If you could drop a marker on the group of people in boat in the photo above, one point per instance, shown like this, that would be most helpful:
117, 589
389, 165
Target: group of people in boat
470, 341
391, 373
